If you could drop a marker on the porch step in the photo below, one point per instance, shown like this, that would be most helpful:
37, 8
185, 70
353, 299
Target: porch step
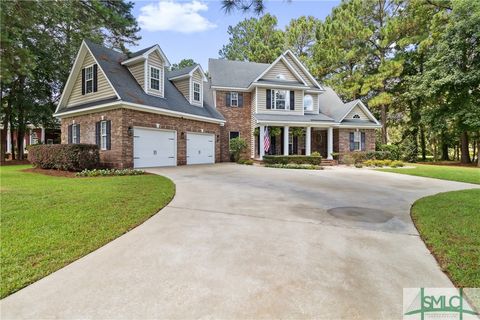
326, 162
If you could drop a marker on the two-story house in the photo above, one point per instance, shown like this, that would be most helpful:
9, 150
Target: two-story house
141, 114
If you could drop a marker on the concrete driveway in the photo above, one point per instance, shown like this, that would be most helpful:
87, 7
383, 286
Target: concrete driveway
253, 242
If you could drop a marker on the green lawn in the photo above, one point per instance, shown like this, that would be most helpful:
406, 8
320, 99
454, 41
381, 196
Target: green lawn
462, 174
48, 222
449, 223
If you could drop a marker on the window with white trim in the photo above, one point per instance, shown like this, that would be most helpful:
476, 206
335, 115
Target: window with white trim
233, 135
357, 140
75, 138
103, 135
308, 103
196, 91
280, 99
89, 79
234, 99
154, 78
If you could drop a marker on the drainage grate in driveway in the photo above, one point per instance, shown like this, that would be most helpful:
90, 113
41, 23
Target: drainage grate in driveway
360, 214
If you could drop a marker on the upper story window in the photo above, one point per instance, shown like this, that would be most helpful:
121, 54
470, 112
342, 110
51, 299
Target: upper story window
280, 99
154, 78
307, 103
196, 91
89, 79
234, 99
356, 116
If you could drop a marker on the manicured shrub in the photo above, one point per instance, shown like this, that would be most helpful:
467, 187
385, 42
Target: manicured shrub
237, 146
68, 157
109, 172
315, 154
396, 164
294, 159
294, 166
248, 162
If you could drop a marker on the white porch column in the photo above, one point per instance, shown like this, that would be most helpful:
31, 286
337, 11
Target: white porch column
308, 141
9, 141
330, 143
43, 135
262, 141
285, 141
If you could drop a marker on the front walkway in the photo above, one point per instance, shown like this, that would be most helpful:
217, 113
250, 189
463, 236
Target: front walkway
253, 242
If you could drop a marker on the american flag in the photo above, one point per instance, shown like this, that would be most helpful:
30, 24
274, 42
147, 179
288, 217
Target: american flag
266, 140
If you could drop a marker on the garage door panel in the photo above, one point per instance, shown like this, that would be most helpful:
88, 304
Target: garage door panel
154, 148
200, 148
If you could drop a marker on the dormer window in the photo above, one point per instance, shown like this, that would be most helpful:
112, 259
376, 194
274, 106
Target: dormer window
196, 91
89, 79
154, 78
234, 99
356, 116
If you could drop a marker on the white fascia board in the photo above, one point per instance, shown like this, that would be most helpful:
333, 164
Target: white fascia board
133, 60
275, 86
183, 76
146, 54
296, 123
364, 108
289, 66
360, 126
230, 88
136, 106
204, 78
304, 69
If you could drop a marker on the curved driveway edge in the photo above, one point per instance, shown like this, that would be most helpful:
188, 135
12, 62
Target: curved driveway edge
253, 242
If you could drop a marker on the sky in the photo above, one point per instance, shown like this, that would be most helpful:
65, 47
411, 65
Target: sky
195, 29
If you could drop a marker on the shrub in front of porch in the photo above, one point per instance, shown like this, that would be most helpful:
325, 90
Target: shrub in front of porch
68, 157
293, 159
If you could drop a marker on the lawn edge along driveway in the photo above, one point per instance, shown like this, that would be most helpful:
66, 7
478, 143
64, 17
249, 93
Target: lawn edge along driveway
452, 173
48, 222
448, 223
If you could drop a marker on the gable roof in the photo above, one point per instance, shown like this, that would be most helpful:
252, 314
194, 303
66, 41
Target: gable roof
281, 58
303, 68
234, 74
187, 71
144, 53
130, 91
139, 52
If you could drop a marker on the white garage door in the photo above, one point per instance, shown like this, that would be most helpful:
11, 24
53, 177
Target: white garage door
154, 148
200, 148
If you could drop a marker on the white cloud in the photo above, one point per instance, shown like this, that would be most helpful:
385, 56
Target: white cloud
173, 16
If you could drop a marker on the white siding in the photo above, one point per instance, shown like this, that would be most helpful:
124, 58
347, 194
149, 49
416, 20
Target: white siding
262, 103
154, 60
104, 90
280, 68
359, 111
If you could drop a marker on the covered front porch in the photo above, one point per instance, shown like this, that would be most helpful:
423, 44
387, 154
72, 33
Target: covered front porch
293, 140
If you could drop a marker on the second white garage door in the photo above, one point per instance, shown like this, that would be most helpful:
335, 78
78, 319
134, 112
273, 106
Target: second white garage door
200, 148
154, 148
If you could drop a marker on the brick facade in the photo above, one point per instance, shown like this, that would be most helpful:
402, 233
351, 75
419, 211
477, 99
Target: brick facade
238, 119
341, 140
121, 153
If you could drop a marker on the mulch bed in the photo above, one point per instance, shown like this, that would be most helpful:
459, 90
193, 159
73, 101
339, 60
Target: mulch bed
51, 172
14, 162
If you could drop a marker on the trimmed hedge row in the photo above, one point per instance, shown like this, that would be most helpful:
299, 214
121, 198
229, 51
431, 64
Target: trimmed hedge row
313, 160
68, 157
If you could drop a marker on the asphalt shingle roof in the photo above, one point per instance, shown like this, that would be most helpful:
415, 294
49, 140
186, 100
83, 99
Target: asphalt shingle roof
181, 72
130, 91
139, 52
237, 74
293, 118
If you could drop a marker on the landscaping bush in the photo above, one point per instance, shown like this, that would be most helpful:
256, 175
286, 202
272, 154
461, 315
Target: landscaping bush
68, 157
294, 166
315, 154
237, 146
248, 162
358, 165
293, 159
109, 172
396, 164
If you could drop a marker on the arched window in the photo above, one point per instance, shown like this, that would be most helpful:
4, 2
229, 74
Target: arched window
307, 103
356, 116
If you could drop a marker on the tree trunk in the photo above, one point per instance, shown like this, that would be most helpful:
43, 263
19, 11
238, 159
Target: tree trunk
423, 143
20, 145
384, 124
445, 151
11, 140
464, 148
